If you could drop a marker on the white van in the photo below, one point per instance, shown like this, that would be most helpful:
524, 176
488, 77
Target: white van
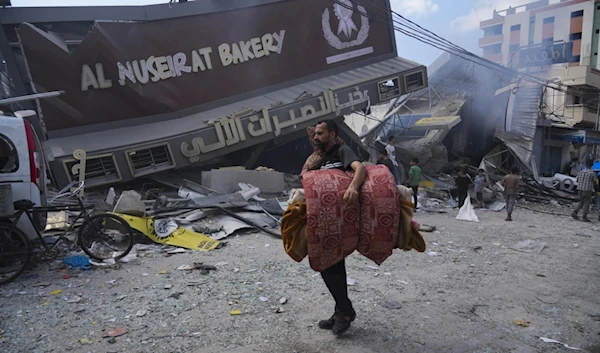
22, 165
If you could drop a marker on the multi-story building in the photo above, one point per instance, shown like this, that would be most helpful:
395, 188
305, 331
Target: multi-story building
557, 41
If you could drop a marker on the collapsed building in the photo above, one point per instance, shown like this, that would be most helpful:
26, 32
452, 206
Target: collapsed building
157, 88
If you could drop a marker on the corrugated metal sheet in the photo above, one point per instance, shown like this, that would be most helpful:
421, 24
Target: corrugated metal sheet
149, 132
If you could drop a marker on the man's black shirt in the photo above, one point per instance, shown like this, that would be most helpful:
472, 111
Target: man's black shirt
388, 163
339, 157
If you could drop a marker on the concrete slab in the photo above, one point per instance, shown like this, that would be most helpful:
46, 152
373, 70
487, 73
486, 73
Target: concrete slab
226, 181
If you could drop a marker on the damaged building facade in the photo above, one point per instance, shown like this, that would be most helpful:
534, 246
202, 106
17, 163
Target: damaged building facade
550, 128
155, 88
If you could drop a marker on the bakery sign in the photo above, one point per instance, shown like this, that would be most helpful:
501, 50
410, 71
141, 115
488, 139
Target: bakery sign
156, 68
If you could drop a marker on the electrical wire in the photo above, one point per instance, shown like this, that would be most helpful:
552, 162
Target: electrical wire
423, 35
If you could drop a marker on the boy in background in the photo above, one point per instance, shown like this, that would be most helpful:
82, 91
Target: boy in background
463, 181
511, 185
414, 178
479, 185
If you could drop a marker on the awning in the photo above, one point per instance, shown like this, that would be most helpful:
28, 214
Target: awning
436, 123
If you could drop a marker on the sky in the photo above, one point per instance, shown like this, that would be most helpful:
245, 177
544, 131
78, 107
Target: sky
454, 20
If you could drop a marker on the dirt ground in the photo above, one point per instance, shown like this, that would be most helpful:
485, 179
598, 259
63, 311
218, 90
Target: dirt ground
465, 300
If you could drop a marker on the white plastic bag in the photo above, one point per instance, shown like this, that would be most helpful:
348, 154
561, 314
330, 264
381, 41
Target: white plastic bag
466, 212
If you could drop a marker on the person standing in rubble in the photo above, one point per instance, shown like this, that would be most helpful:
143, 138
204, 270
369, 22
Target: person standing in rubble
511, 185
339, 157
463, 181
479, 185
585, 188
597, 189
414, 178
391, 150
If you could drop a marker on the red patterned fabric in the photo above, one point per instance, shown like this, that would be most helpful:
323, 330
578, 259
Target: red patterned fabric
335, 229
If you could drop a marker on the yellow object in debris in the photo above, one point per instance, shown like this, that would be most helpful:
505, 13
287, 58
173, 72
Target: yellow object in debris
522, 323
58, 291
235, 312
427, 184
44, 304
85, 341
180, 237
163, 272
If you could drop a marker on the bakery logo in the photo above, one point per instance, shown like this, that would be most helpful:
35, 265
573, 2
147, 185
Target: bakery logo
348, 34
343, 10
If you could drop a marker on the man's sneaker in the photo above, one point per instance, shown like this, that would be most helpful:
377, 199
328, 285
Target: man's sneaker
575, 216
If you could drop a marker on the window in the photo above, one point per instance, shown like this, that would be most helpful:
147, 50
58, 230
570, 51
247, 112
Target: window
513, 48
549, 20
389, 89
98, 170
492, 31
150, 160
515, 28
597, 31
9, 159
575, 36
414, 81
574, 100
577, 14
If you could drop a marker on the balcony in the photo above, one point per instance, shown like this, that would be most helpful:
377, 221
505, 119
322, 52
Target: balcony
490, 40
491, 22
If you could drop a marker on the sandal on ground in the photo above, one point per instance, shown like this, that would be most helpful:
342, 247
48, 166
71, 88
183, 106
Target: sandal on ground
575, 216
329, 323
342, 323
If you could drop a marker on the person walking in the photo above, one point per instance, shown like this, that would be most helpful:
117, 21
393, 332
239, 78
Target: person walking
479, 185
343, 158
463, 181
585, 188
391, 150
414, 178
385, 160
511, 185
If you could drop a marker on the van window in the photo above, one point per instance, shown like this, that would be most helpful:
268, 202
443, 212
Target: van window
9, 160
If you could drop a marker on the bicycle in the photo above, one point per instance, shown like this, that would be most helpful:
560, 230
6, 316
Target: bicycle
101, 236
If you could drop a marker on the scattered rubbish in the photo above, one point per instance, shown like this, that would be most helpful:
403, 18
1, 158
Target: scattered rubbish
267, 245
75, 299
141, 313
204, 269
350, 281
235, 312
185, 267
522, 323
145, 274
177, 251
163, 272
434, 253
263, 299
595, 317
77, 262
55, 292
85, 341
111, 340
128, 258
496, 206
279, 310
44, 304
116, 332
283, 300
222, 263
477, 248
42, 284
427, 228
530, 246
540, 275
57, 220
583, 235
403, 282
466, 212
66, 276
548, 299
168, 286
373, 267
550, 340
391, 304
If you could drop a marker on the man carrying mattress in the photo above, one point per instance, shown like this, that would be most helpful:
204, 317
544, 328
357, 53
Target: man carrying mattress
339, 157
345, 207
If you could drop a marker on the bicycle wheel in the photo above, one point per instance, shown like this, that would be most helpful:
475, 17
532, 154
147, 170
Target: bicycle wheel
106, 236
15, 253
